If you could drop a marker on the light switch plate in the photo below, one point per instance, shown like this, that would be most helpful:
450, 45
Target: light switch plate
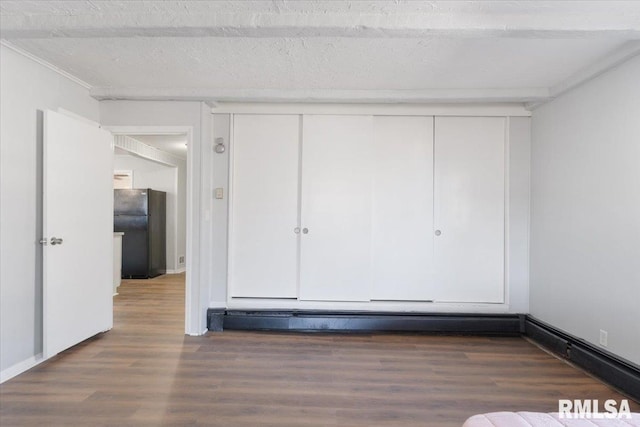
219, 193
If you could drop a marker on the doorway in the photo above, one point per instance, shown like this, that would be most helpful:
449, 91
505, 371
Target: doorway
157, 159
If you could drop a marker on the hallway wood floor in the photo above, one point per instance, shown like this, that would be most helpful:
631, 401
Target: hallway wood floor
145, 372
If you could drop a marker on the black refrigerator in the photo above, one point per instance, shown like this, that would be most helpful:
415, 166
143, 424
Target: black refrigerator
142, 216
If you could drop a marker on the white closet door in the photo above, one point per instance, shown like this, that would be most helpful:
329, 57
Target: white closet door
403, 208
335, 258
264, 206
469, 208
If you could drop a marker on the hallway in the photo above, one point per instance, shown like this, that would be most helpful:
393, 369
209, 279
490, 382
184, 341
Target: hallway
150, 307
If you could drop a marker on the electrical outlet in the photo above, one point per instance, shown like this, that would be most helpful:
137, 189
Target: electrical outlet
181, 259
219, 193
603, 338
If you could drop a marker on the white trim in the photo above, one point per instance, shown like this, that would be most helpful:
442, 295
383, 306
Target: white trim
176, 215
367, 306
45, 231
475, 110
192, 285
206, 210
230, 200
176, 271
46, 64
299, 191
20, 367
506, 279
528, 214
199, 334
146, 130
217, 304
192, 281
385, 96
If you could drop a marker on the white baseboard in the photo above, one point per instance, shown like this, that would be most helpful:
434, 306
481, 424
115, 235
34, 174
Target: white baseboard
20, 367
178, 271
197, 334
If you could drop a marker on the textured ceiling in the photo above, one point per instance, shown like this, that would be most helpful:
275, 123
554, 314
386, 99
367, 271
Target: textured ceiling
242, 49
319, 63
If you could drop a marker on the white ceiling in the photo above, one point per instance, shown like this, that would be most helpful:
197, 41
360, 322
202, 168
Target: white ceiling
325, 50
175, 145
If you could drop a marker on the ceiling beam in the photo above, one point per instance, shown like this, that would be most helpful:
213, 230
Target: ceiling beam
324, 96
307, 32
365, 19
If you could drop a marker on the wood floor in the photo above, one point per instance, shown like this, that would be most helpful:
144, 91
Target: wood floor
145, 372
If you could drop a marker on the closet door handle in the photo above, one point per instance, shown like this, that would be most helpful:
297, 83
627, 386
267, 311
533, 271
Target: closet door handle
305, 231
438, 232
296, 230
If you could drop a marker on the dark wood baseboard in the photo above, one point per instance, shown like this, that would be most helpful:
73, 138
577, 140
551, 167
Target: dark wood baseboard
618, 372
355, 322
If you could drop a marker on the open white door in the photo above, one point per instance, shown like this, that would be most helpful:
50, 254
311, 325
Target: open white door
77, 230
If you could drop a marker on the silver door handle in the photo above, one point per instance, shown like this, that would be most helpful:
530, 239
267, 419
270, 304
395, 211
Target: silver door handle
438, 232
56, 241
44, 241
305, 231
296, 230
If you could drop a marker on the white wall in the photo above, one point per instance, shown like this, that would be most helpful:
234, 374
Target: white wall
221, 129
27, 89
149, 174
181, 220
196, 116
585, 221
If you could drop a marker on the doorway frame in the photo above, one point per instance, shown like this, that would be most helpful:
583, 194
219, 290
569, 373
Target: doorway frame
192, 284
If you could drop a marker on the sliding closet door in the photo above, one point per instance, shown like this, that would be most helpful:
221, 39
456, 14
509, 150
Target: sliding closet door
335, 257
403, 208
264, 206
469, 208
